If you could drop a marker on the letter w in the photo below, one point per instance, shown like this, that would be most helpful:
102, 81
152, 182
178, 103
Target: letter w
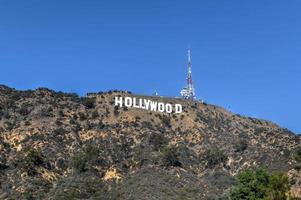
153, 105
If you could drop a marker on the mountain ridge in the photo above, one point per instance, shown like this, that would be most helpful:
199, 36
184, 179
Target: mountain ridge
53, 142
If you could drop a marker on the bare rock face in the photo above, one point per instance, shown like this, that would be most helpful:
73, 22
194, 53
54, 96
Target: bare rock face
58, 145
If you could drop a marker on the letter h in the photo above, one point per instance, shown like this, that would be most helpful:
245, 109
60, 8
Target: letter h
118, 101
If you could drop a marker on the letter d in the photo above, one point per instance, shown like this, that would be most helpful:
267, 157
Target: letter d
178, 108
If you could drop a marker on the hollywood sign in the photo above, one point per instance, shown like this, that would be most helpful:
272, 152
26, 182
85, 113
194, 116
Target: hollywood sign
147, 104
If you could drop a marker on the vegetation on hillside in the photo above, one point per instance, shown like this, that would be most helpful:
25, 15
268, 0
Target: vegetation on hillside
56, 145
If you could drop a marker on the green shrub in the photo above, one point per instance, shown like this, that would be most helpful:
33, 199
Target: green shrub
82, 116
251, 185
297, 166
241, 145
61, 113
147, 124
116, 110
158, 141
8, 125
297, 158
34, 156
24, 109
297, 154
27, 123
80, 186
101, 125
72, 121
170, 157
59, 131
214, 157
3, 162
95, 114
46, 111
89, 102
79, 162
278, 187
87, 157
58, 122
92, 151
258, 184
166, 121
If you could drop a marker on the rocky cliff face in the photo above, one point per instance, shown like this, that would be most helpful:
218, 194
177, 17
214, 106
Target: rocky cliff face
60, 146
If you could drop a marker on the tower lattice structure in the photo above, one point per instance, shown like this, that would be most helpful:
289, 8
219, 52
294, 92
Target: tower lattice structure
188, 91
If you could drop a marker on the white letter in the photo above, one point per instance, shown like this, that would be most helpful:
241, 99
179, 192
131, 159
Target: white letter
141, 104
128, 101
168, 108
178, 108
118, 101
146, 102
153, 105
134, 103
161, 107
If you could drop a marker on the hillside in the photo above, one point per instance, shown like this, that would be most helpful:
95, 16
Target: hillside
57, 145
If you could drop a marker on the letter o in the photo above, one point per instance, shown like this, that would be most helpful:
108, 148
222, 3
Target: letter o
128, 101
168, 108
161, 107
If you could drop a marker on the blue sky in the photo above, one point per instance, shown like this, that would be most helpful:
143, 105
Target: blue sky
245, 54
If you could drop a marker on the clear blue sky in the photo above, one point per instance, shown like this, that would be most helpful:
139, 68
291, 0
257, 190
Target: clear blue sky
246, 55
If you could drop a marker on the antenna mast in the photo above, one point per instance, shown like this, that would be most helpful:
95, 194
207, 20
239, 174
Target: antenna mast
188, 91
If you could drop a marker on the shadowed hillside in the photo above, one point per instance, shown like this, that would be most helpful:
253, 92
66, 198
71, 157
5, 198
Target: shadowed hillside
56, 145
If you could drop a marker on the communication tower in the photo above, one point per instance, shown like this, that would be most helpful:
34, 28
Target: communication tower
188, 91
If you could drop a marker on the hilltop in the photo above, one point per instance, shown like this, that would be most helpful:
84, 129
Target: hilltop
57, 145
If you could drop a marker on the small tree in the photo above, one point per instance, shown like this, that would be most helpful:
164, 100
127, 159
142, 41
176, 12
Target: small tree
258, 184
251, 185
278, 187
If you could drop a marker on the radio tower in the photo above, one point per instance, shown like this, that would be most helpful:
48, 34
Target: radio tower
188, 91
